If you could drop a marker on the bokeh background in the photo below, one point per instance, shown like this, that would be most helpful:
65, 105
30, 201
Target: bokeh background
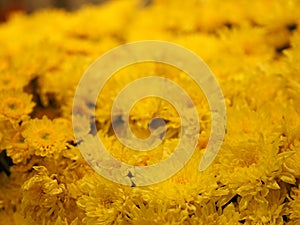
7, 7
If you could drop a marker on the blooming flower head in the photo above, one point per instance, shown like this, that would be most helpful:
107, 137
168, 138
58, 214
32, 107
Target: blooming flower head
45, 137
8, 82
15, 105
105, 208
43, 192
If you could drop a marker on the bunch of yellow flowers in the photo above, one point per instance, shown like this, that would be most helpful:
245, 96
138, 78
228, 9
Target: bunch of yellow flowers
252, 47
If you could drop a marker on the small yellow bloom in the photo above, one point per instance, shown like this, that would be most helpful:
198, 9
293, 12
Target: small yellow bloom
15, 105
45, 137
9, 81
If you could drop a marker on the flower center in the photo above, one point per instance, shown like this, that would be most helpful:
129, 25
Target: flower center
12, 106
45, 135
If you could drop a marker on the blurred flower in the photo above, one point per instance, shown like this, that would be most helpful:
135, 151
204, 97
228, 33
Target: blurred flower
15, 105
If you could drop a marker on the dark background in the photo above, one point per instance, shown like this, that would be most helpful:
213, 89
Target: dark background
9, 6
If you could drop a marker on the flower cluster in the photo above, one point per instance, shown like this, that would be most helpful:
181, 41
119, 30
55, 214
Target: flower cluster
253, 48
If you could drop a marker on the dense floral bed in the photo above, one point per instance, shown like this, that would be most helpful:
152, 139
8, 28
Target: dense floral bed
253, 48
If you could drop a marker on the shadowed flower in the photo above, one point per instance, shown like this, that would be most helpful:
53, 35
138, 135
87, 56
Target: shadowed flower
43, 196
294, 207
102, 201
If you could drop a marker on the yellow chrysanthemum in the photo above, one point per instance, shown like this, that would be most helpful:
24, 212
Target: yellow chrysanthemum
18, 149
295, 207
208, 215
45, 137
106, 208
264, 208
43, 197
7, 131
51, 198
15, 105
10, 197
8, 81
253, 50
291, 143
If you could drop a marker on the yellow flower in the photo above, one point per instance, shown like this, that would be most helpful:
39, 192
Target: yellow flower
15, 105
243, 46
53, 83
292, 162
60, 221
291, 143
18, 149
103, 202
255, 57
209, 215
294, 206
45, 137
10, 196
7, 132
43, 197
8, 81
250, 159
293, 57
47, 198
264, 208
